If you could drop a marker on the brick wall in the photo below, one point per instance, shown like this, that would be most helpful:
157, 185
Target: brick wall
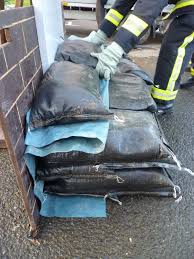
20, 74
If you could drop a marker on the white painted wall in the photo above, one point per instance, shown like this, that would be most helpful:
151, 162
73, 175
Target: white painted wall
49, 22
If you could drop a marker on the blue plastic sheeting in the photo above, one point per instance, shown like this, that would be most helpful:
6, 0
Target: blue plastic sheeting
45, 136
65, 206
88, 137
87, 145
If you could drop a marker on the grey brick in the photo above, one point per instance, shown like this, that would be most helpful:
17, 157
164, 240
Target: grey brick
24, 103
19, 153
8, 17
37, 57
28, 68
15, 50
30, 34
10, 88
13, 126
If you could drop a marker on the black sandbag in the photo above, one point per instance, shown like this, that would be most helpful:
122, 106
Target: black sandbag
134, 137
128, 66
77, 51
80, 180
128, 87
69, 93
129, 91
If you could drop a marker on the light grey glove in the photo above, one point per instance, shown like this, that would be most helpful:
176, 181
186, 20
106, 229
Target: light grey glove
108, 60
97, 38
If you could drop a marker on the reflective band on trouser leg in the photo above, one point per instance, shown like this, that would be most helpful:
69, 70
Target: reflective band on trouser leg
114, 17
164, 95
192, 71
179, 5
179, 62
183, 3
135, 25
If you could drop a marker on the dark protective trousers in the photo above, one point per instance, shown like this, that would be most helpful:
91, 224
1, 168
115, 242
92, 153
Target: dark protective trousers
176, 52
192, 60
192, 65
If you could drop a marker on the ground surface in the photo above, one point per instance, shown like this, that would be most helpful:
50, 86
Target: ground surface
142, 228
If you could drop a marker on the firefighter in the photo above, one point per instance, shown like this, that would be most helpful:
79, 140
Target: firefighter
190, 82
176, 50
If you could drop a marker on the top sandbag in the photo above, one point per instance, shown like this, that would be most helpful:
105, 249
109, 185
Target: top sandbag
128, 66
68, 93
77, 51
128, 87
129, 91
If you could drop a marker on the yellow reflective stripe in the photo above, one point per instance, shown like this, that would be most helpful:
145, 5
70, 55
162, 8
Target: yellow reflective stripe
113, 20
179, 62
114, 17
65, 4
117, 14
163, 94
135, 25
180, 4
192, 71
183, 3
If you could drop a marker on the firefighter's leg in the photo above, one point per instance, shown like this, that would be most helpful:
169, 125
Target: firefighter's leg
176, 51
190, 82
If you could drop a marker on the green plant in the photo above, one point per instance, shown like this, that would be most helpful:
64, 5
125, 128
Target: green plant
9, 2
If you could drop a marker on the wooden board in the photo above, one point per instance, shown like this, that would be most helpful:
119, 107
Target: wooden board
20, 75
2, 139
2, 4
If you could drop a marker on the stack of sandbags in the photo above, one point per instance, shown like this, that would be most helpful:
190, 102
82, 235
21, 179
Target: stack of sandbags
135, 156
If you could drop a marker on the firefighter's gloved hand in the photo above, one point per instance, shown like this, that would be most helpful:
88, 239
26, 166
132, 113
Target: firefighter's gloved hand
108, 60
97, 38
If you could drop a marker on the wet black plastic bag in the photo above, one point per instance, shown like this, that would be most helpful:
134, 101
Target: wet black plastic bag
128, 66
128, 87
134, 137
82, 180
68, 93
77, 51
129, 91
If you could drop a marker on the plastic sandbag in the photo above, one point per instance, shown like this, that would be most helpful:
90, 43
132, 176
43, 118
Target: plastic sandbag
128, 87
77, 51
129, 91
88, 180
134, 136
68, 93
128, 66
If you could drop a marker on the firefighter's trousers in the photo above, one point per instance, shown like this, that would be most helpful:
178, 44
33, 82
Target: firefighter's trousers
176, 51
